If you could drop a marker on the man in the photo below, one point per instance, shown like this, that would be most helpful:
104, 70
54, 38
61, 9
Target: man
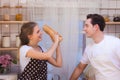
103, 54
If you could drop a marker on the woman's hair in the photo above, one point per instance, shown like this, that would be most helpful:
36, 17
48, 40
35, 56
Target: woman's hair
26, 29
97, 19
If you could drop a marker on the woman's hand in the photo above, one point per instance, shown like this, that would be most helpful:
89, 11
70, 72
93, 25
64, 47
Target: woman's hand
56, 37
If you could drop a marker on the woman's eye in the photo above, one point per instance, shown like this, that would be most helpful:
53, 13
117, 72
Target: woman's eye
38, 31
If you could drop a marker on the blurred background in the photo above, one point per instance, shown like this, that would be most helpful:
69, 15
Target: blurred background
65, 16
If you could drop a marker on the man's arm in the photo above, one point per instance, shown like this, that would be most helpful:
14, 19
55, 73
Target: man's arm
77, 71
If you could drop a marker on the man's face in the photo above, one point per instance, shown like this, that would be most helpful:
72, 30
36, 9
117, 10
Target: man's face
89, 28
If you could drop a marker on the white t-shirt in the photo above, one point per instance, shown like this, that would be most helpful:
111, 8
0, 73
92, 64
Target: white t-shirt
104, 57
23, 59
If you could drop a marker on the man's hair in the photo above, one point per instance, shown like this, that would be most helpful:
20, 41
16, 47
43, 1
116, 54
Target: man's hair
97, 19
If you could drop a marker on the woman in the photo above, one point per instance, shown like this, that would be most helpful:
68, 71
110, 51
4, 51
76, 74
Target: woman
32, 58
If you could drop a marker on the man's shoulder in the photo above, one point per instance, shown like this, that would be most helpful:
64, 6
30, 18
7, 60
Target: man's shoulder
112, 39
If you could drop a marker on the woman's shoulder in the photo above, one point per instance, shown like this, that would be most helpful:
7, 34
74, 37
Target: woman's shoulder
25, 47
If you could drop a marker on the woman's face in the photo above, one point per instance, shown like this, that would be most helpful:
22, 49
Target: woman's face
37, 34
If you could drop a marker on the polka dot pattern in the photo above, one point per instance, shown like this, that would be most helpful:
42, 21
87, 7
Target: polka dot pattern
35, 70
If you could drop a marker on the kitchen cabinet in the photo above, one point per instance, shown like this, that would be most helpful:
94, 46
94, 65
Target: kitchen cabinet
110, 13
17, 13
11, 20
12, 30
110, 9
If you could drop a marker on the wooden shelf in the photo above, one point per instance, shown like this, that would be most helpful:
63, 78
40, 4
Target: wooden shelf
12, 22
109, 8
113, 23
2, 49
14, 7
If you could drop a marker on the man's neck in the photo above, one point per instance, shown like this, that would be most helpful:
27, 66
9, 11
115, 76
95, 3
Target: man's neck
98, 37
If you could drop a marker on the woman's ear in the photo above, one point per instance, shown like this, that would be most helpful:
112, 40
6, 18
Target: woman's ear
29, 37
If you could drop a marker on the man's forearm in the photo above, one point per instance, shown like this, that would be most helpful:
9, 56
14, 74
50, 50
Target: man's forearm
75, 75
77, 72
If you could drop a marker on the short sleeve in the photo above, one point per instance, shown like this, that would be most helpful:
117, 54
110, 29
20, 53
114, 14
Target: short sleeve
116, 55
117, 59
118, 48
24, 49
85, 59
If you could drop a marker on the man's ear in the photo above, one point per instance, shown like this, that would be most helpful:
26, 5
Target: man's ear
96, 27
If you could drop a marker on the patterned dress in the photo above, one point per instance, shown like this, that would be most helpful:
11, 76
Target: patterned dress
35, 70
